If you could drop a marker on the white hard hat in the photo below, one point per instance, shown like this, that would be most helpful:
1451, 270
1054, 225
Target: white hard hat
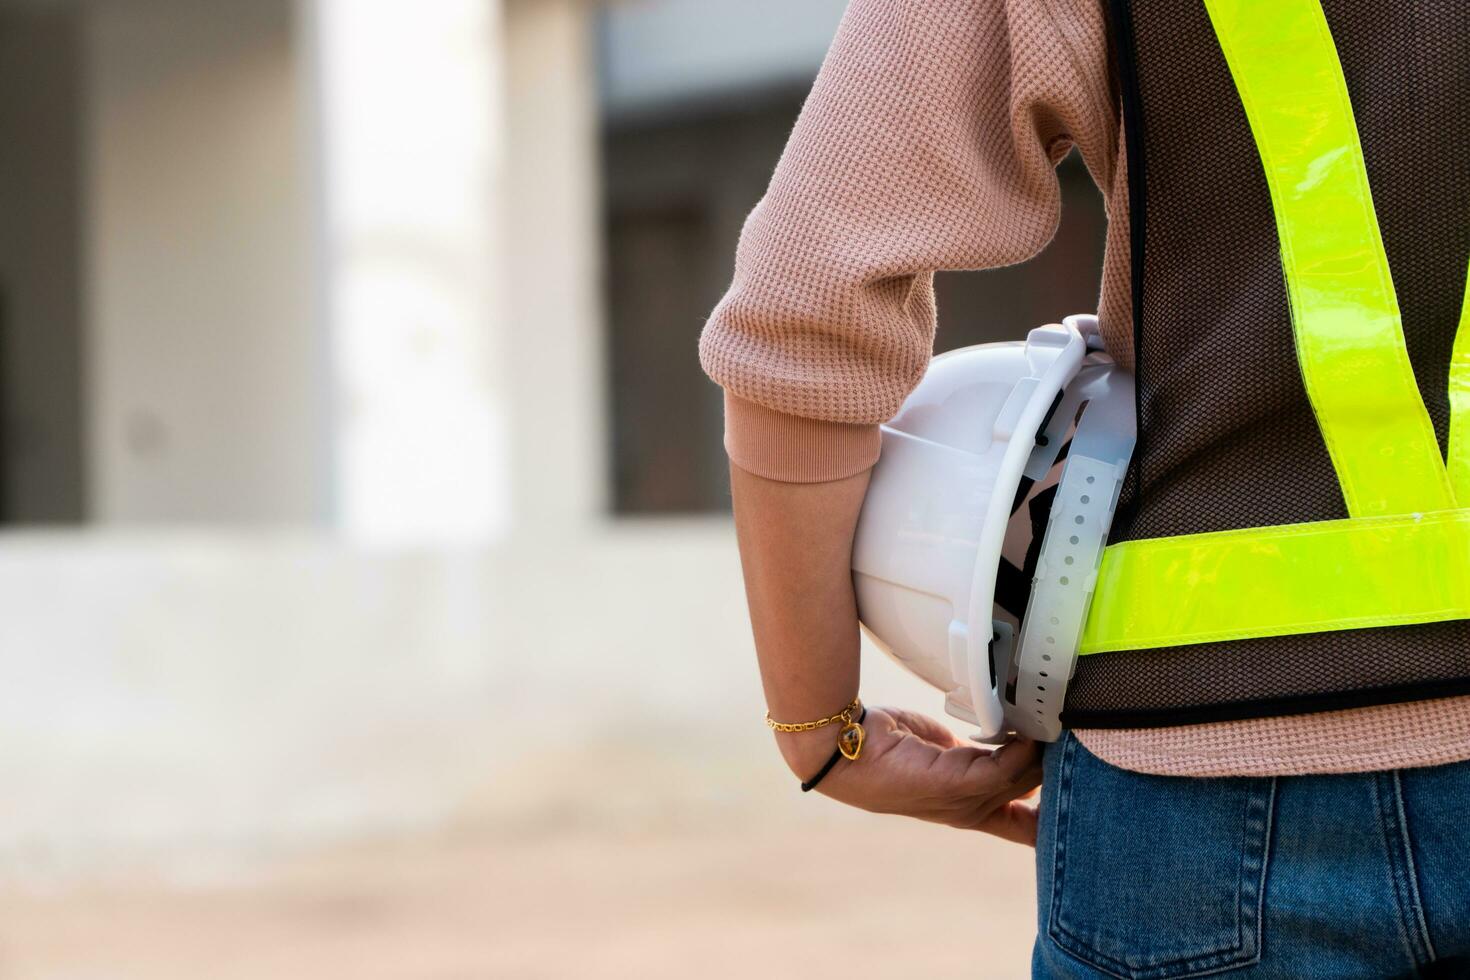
979, 542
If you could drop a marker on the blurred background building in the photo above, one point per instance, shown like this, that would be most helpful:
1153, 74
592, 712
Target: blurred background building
358, 480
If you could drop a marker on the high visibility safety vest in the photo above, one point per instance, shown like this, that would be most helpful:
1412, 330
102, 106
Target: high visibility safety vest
1294, 534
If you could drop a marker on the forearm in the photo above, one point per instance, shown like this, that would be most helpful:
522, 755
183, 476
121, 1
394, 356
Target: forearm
796, 550
796, 547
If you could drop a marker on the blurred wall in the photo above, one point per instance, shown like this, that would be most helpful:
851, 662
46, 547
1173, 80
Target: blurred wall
203, 363
657, 54
553, 269
42, 441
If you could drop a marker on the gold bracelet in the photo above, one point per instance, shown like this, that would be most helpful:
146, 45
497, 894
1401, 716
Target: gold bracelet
849, 740
844, 716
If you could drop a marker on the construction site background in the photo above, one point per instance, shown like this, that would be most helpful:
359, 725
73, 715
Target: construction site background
369, 604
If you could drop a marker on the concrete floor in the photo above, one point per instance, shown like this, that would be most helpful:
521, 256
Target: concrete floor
797, 899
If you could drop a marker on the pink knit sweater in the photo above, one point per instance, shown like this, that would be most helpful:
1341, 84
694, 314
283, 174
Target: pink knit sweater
930, 142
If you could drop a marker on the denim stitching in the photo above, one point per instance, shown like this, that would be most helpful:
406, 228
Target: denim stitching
1255, 855
1267, 824
1411, 873
1394, 866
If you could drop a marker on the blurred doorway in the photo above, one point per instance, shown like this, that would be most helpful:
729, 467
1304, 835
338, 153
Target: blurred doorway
42, 452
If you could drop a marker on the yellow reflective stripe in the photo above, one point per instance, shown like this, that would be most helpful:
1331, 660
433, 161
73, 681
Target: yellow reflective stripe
1459, 454
1277, 581
1349, 333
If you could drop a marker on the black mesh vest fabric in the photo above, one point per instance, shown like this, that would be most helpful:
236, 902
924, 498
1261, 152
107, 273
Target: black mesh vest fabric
1227, 436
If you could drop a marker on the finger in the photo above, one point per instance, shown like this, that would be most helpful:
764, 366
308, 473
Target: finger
1015, 822
915, 755
1023, 786
927, 728
969, 772
975, 812
979, 773
1023, 789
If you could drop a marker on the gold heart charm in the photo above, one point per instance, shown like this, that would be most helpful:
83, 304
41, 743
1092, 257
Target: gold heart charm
850, 741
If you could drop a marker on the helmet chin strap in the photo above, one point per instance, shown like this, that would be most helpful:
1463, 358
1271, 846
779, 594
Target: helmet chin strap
1069, 550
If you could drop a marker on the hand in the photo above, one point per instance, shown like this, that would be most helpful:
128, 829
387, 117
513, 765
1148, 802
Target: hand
915, 766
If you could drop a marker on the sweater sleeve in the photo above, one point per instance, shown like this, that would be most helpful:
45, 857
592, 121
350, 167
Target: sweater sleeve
928, 142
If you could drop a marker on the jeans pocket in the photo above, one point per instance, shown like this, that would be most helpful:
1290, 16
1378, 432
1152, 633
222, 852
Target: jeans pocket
1157, 877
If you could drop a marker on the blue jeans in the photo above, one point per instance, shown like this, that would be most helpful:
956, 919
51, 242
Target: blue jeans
1297, 877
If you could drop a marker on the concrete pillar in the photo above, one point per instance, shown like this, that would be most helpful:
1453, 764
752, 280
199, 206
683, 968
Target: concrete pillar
406, 103
203, 356
554, 333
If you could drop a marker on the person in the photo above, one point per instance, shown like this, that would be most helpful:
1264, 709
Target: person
1280, 799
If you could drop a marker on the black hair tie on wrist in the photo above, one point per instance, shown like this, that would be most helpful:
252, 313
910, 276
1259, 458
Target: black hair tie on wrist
811, 784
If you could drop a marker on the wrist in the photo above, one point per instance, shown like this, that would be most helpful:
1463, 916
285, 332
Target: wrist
806, 752
820, 742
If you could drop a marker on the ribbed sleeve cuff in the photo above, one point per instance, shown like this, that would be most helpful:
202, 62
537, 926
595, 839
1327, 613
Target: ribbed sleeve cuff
792, 449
